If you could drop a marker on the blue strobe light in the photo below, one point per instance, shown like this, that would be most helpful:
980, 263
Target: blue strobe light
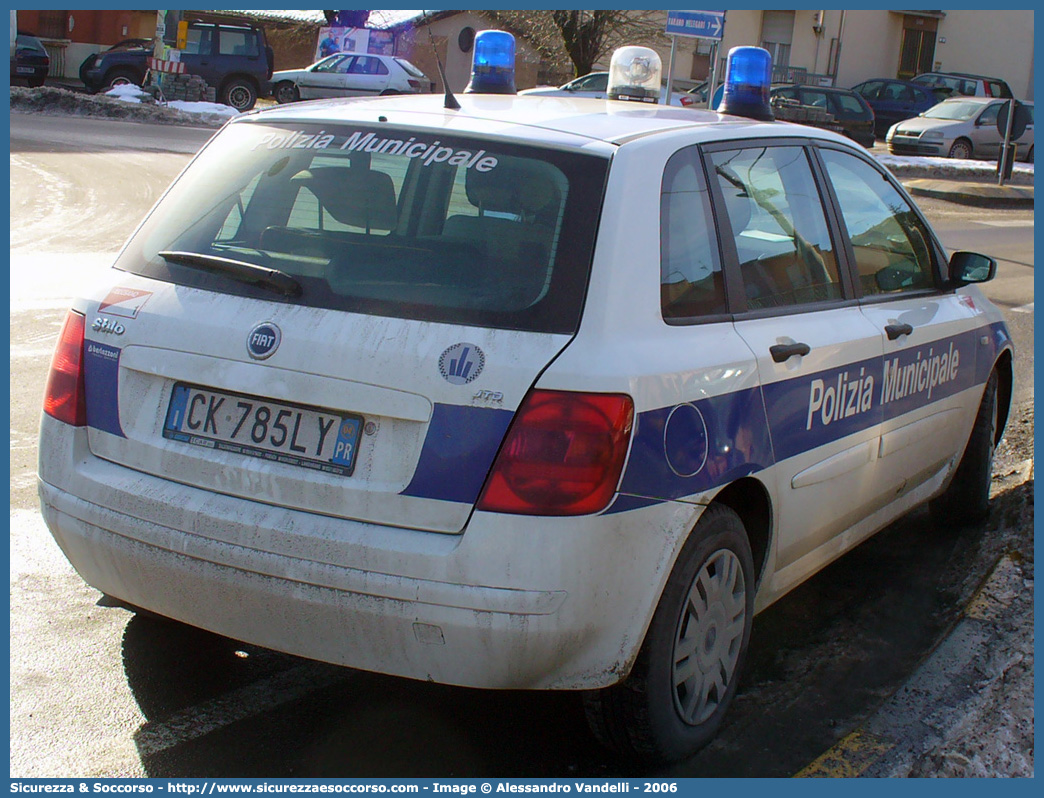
493, 65
748, 76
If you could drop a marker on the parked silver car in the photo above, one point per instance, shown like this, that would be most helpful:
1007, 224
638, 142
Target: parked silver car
349, 75
596, 86
960, 127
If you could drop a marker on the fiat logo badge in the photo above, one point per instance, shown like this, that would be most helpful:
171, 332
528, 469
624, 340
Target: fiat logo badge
263, 340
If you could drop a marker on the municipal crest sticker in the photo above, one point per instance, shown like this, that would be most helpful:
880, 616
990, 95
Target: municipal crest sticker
462, 363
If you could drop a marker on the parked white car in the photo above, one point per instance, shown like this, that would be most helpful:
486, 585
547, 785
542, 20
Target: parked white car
349, 75
960, 127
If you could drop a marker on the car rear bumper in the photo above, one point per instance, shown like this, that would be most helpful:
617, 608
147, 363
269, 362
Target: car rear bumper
514, 602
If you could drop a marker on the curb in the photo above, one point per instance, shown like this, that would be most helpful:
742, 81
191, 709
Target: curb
978, 194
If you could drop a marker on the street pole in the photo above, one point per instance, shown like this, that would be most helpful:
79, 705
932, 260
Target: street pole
670, 69
1007, 143
713, 84
837, 53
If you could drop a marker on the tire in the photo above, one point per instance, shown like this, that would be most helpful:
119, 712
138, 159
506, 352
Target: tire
35, 83
121, 77
687, 671
239, 93
388, 93
286, 91
1029, 155
961, 150
966, 500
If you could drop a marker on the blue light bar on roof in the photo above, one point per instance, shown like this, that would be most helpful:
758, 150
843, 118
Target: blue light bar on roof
493, 65
748, 76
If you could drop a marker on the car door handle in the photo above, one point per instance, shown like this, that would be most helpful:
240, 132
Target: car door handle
781, 353
895, 330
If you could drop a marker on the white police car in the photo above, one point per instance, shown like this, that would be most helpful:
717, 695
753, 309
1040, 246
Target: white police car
530, 393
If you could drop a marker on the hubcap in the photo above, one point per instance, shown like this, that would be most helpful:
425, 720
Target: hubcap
238, 97
709, 637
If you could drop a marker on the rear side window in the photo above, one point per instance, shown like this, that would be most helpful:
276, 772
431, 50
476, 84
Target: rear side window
410, 68
367, 65
779, 227
891, 245
691, 282
850, 105
237, 42
401, 223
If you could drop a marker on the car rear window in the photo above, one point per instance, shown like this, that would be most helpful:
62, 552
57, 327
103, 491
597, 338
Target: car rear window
393, 222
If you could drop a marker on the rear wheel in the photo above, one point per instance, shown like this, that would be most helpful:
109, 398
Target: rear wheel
239, 93
961, 149
967, 499
686, 674
286, 91
35, 82
121, 77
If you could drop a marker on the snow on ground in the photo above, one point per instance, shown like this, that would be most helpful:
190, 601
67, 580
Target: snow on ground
128, 103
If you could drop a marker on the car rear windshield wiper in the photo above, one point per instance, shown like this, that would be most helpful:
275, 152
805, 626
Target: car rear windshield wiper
262, 276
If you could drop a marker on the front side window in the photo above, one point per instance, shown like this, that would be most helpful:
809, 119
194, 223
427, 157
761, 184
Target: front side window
405, 223
691, 281
335, 63
989, 116
892, 246
870, 89
779, 227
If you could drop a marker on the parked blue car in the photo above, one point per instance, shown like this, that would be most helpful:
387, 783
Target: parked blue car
895, 100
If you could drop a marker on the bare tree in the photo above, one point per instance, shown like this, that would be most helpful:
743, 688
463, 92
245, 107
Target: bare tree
583, 38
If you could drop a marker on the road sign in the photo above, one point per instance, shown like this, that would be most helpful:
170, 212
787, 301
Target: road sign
697, 24
1018, 124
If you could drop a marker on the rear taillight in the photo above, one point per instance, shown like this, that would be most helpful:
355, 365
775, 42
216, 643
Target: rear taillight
686, 101
414, 84
65, 398
562, 456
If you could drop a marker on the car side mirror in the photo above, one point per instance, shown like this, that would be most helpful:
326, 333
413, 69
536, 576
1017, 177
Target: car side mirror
971, 267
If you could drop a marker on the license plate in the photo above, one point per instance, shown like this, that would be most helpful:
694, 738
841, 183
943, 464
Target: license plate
24, 70
280, 432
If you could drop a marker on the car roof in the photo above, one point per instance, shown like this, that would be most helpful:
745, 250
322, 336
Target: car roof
963, 98
808, 86
567, 122
963, 75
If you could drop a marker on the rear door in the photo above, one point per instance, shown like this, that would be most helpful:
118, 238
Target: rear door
929, 335
238, 51
199, 50
422, 282
817, 355
367, 76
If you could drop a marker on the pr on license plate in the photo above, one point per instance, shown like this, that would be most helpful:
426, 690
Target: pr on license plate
24, 70
299, 435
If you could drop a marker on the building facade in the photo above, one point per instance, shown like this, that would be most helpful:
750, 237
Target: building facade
843, 48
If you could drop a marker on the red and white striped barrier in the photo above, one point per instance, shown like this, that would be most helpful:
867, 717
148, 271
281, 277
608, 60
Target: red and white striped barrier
159, 65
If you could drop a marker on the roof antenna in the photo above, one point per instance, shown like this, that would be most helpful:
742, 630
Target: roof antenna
451, 101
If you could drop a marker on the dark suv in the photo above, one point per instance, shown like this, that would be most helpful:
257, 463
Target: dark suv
234, 59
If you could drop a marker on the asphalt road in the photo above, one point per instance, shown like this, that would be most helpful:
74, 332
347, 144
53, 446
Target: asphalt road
97, 691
